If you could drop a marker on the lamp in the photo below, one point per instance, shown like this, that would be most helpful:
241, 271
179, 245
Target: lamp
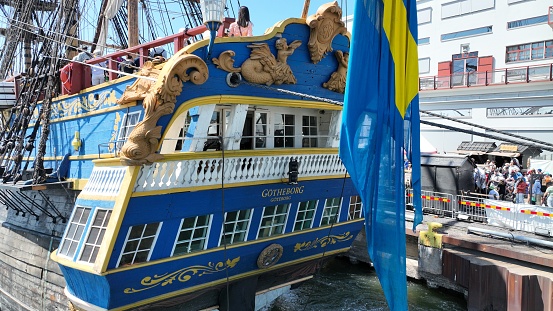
76, 142
293, 167
212, 13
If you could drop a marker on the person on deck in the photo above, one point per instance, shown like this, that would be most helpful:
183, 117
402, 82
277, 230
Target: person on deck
127, 66
243, 27
98, 74
83, 56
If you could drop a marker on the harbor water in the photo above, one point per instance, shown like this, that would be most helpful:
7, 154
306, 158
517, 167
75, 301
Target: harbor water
341, 285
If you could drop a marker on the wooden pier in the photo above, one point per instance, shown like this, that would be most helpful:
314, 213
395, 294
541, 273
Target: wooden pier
493, 273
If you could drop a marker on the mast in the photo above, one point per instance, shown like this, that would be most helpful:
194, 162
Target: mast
133, 22
305, 8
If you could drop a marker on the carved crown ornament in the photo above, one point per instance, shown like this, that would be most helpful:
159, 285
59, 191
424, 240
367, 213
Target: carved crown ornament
325, 24
159, 99
262, 67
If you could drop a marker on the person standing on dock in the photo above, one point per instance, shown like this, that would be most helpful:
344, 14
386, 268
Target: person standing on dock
520, 189
548, 196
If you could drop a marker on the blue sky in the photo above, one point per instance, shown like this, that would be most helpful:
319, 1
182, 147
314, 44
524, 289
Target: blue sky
265, 14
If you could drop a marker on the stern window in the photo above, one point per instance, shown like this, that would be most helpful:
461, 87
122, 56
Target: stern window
95, 235
330, 212
130, 120
306, 212
236, 226
273, 221
309, 131
74, 231
355, 207
139, 244
284, 130
193, 235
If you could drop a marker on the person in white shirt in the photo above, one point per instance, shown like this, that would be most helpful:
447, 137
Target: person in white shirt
98, 74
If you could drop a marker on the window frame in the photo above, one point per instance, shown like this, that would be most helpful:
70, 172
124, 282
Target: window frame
357, 207
125, 130
246, 231
102, 231
65, 239
205, 238
135, 251
331, 215
273, 216
285, 137
310, 137
311, 220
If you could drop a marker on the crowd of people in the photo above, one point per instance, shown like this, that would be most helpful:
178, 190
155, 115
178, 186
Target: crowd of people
510, 183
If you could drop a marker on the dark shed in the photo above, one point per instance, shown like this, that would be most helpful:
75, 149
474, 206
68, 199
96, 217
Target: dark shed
447, 173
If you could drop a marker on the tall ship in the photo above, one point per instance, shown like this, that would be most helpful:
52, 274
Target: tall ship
198, 178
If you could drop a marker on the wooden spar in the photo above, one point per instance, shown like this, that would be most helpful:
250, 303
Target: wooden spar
305, 8
133, 22
101, 18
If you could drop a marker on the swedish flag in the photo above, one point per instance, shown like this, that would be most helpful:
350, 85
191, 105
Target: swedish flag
381, 124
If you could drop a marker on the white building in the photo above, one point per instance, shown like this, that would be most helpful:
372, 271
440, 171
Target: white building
488, 63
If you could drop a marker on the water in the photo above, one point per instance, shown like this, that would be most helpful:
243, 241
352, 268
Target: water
344, 286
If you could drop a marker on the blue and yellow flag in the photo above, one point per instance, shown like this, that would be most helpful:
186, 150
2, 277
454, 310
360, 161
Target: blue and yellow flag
380, 125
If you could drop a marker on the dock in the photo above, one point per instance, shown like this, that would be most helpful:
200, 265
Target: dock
493, 267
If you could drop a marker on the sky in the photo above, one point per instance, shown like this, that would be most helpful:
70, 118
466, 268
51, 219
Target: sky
265, 13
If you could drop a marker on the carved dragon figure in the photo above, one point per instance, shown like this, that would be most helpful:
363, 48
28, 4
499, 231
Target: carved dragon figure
263, 67
159, 100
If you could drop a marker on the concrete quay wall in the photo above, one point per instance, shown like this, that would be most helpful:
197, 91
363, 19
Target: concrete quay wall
492, 273
29, 280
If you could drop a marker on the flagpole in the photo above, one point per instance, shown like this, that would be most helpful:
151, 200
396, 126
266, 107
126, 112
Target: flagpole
305, 8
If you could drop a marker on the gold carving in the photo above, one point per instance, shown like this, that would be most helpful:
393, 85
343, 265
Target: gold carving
139, 89
182, 275
337, 81
269, 256
159, 100
331, 239
325, 25
263, 67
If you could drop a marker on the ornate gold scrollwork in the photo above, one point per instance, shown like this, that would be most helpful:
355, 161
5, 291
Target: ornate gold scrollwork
269, 256
325, 25
182, 275
337, 81
159, 99
331, 239
262, 67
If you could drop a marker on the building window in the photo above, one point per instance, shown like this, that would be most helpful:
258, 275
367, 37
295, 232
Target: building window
466, 33
273, 220
510, 112
309, 131
355, 208
462, 7
306, 212
529, 51
192, 235
74, 232
424, 65
450, 113
423, 41
260, 129
527, 22
424, 16
331, 211
139, 244
284, 130
235, 227
96, 234
130, 120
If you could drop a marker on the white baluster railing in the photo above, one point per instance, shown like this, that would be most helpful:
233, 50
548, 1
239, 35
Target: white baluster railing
104, 181
188, 173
